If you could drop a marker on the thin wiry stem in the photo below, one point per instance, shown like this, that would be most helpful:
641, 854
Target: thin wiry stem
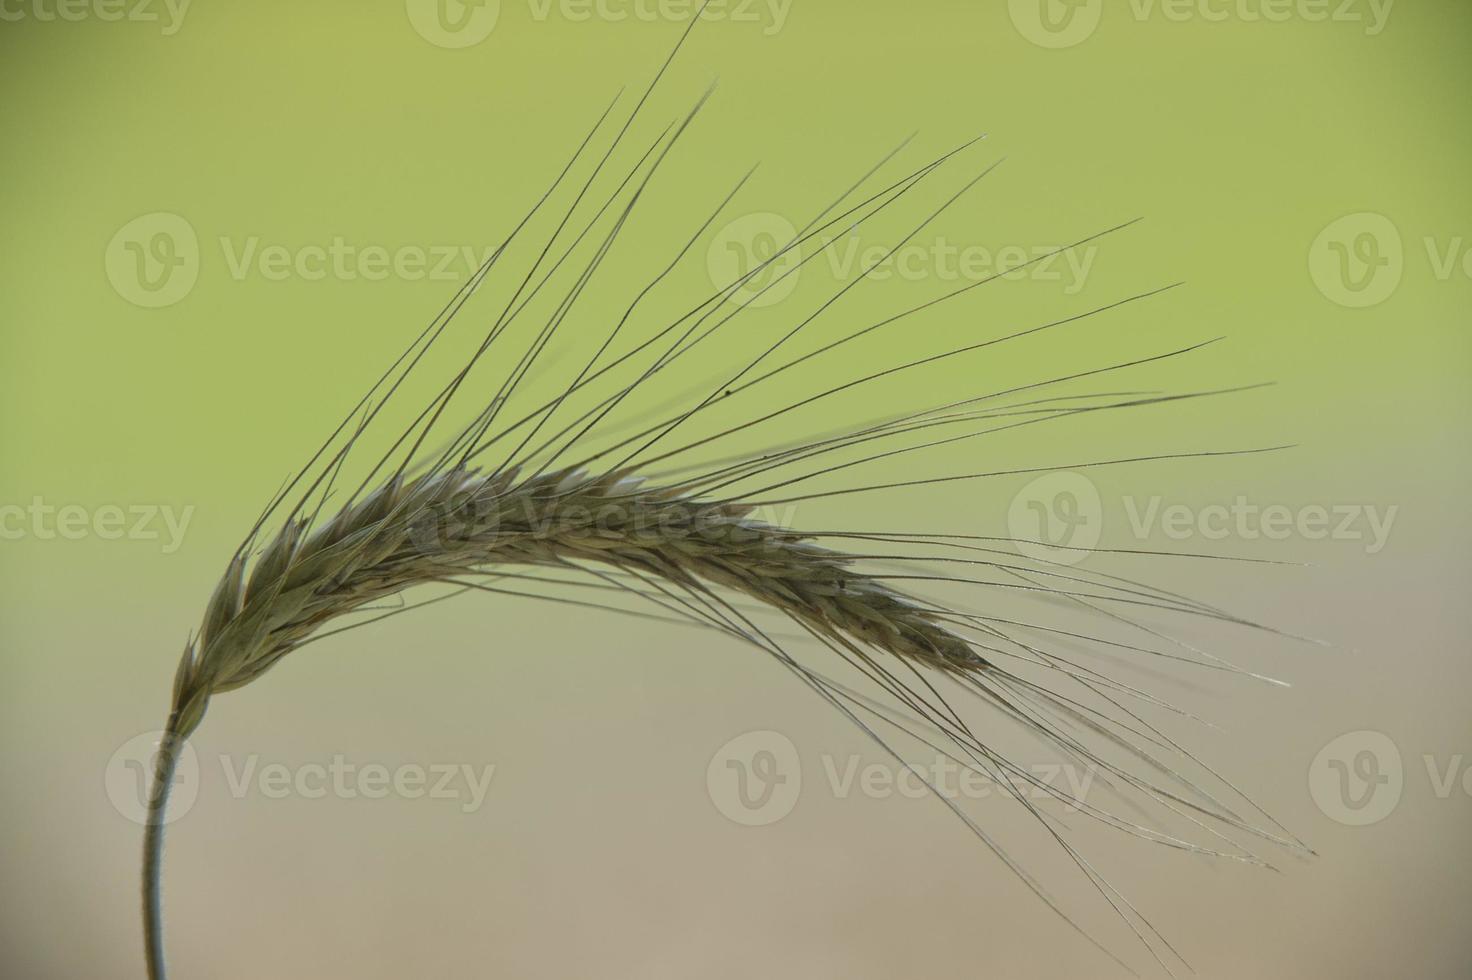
166, 767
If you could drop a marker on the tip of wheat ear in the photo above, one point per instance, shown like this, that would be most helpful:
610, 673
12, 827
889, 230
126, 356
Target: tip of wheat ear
433, 528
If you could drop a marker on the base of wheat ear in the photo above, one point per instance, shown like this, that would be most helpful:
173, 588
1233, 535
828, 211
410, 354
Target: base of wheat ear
685, 544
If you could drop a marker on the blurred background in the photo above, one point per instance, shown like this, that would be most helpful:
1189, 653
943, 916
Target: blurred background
223, 221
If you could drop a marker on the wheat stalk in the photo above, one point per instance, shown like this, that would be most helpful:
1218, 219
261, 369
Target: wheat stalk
689, 543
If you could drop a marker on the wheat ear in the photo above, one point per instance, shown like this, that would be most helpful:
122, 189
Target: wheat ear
443, 526
630, 517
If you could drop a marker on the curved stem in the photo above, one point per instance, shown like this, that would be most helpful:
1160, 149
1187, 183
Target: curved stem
153, 851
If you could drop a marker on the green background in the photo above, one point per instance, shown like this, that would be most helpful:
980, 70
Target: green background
1239, 140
